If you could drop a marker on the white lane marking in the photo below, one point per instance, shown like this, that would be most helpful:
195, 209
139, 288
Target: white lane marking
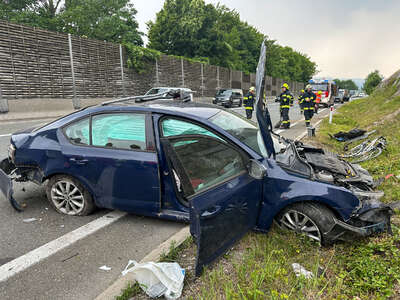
5, 135
35, 256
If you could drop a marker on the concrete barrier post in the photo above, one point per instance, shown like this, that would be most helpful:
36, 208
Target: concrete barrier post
3, 103
75, 101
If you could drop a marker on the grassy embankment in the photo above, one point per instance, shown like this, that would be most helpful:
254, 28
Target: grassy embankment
259, 267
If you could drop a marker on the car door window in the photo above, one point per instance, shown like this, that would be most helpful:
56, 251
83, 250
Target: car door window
120, 131
206, 162
174, 127
78, 132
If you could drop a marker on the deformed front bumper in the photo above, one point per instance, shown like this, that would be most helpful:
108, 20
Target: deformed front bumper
6, 183
371, 218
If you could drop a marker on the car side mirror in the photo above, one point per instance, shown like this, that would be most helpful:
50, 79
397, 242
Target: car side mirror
256, 169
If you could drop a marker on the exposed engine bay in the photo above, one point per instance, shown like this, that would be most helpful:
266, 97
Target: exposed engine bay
320, 165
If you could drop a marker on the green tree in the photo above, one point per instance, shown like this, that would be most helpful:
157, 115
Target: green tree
195, 29
113, 21
372, 81
346, 84
37, 13
285, 63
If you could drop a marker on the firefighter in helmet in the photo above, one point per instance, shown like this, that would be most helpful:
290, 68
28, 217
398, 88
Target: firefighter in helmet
307, 101
286, 101
248, 102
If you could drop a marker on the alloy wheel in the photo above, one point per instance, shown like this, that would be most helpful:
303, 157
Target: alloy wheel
299, 222
67, 197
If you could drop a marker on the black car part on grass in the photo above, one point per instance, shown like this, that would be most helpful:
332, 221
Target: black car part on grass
349, 135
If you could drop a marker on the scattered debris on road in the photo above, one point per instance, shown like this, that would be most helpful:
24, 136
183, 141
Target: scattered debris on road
30, 220
157, 279
68, 258
105, 268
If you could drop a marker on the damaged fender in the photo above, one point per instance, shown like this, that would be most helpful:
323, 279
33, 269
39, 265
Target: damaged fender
372, 217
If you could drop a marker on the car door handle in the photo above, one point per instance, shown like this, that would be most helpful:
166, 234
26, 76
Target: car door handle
79, 161
211, 212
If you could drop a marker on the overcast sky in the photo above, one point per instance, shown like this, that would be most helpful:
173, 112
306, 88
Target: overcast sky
346, 38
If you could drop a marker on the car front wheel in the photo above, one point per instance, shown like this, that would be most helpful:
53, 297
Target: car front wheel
68, 196
310, 219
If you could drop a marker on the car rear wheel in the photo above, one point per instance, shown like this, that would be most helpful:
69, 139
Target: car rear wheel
311, 219
68, 196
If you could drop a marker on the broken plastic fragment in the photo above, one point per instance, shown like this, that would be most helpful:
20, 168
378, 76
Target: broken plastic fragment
29, 220
300, 270
105, 268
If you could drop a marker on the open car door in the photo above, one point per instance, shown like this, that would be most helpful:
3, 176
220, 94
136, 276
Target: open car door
223, 187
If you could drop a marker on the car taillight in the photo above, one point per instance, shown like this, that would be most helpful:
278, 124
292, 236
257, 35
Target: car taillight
11, 152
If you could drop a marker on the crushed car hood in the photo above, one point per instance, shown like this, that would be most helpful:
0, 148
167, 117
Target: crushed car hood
321, 165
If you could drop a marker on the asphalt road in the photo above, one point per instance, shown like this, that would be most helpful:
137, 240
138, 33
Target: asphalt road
73, 271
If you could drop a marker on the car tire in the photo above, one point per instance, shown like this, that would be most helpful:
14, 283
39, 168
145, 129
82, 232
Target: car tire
313, 219
68, 196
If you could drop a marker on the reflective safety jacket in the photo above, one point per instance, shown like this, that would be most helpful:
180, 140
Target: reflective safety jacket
318, 100
248, 101
307, 101
286, 99
298, 99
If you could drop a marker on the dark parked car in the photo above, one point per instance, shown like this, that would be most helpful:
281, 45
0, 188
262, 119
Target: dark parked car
198, 163
229, 97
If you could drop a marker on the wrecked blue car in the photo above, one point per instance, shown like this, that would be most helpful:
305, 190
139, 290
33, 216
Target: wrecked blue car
197, 163
194, 163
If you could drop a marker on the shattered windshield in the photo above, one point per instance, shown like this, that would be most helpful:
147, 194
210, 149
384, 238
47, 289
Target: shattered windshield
245, 131
320, 87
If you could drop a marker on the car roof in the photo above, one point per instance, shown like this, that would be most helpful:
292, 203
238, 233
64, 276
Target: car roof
229, 89
170, 88
192, 109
